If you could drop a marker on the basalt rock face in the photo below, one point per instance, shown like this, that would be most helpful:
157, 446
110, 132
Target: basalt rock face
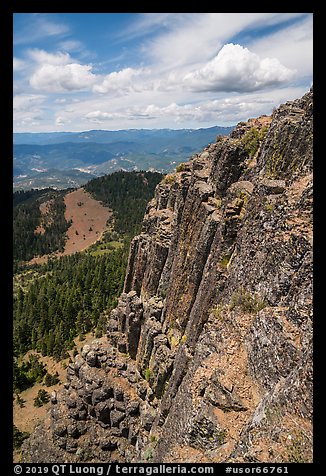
208, 353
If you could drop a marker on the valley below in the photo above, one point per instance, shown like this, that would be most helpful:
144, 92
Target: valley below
65, 160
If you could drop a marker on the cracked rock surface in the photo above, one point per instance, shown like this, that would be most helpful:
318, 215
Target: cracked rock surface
208, 355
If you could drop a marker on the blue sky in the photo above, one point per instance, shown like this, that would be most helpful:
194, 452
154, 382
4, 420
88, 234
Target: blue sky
82, 71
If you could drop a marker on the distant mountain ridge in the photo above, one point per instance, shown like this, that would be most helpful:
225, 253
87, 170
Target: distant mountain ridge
69, 159
104, 136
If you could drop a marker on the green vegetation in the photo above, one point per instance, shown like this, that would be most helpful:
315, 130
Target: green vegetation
41, 398
173, 337
169, 179
27, 217
269, 207
67, 299
217, 312
225, 259
221, 437
50, 380
252, 139
183, 339
181, 167
275, 162
110, 241
297, 451
21, 402
19, 437
127, 194
248, 302
148, 374
148, 454
27, 373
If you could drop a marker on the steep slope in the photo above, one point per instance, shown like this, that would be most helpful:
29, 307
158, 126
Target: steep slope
208, 354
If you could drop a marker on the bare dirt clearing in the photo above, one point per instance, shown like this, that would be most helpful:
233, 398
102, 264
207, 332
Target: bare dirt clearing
89, 220
27, 417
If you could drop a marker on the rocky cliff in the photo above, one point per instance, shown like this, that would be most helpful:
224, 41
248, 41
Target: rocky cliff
208, 353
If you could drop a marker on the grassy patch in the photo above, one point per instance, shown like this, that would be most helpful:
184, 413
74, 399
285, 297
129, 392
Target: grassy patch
269, 207
217, 312
248, 302
297, 451
274, 163
169, 179
148, 374
252, 139
225, 260
173, 338
181, 167
183, 339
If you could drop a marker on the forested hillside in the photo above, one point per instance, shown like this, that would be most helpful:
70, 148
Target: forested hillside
64, 298
27, 216
71, 295
127, 194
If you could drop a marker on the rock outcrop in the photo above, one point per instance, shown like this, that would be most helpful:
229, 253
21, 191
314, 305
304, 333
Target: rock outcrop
208, 353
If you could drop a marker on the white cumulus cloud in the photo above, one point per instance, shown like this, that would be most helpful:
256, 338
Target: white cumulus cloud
235, 68
98, 116
118, 81
58, 72
60, 78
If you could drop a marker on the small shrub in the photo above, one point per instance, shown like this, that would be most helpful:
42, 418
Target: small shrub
148, 374
269, 207
275, 162
19, 437
148, 454
21, 402
250, 303
181, 167
41, 398
225, 259
221, 437
252, 139
298, 449
218, 203
217, 312
169, 179
174, 341
50, 380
